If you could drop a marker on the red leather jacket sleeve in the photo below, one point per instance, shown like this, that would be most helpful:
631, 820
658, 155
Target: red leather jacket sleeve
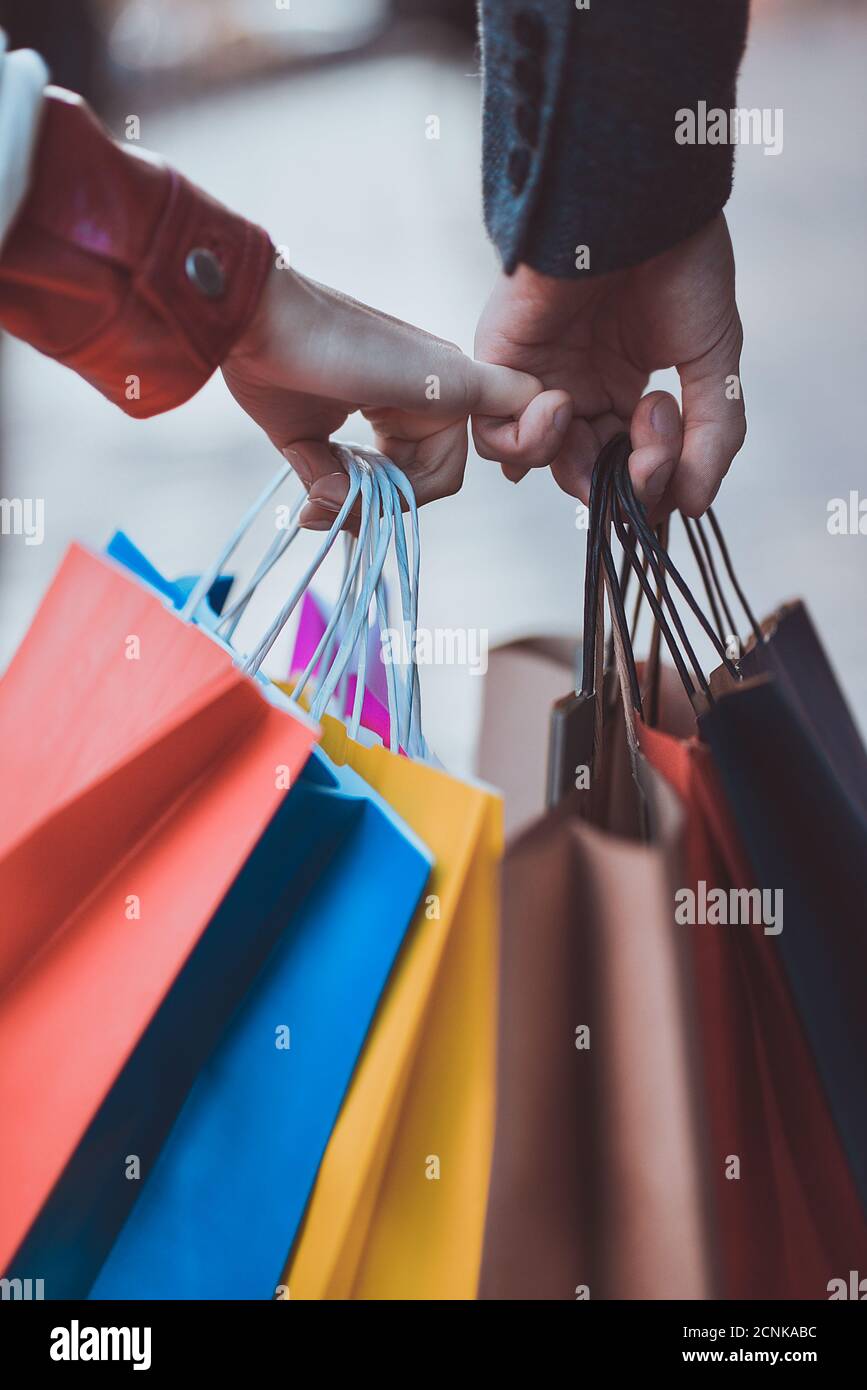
124, 271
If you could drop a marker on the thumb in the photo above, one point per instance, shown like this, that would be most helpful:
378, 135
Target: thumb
657, 438
515, 420
531, 438
714, 419
326, 482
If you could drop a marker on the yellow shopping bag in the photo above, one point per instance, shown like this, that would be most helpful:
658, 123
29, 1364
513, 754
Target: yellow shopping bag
398, 1208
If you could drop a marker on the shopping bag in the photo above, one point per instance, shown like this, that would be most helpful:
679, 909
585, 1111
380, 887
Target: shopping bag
141, 771
522, 682
326, 962
598, 1184
398, 1207
787, 1218
374, 702
803, 832
312, 622
598, 1188
807, 840
793, 653
798, 810
219, 1211
788, 1222
127, 554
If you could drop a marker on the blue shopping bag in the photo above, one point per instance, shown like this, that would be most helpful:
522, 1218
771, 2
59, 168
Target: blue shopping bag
220, 1210
127, 553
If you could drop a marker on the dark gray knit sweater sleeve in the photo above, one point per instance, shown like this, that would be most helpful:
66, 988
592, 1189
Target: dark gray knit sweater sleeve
579, 126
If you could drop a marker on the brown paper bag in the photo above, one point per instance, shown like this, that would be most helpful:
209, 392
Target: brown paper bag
598, 1186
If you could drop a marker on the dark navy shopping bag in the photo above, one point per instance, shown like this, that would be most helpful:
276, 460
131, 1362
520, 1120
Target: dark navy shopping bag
806, 837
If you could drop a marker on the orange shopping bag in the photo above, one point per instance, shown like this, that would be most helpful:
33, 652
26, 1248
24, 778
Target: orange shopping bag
140, 771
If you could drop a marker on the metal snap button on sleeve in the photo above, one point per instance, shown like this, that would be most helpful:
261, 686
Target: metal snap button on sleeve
205, 272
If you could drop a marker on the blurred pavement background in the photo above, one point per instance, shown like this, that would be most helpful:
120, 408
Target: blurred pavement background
332, 157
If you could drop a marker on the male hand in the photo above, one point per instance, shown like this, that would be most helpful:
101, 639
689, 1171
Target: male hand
312, 356
594, 343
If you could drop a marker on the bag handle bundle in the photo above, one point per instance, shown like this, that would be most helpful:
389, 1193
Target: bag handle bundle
379, 489
724, 632
577, 721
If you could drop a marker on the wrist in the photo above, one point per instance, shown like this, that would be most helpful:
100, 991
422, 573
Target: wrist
551, 291
526, 307
258, 340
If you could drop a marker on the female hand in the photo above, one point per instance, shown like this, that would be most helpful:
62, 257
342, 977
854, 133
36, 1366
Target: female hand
312, 356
